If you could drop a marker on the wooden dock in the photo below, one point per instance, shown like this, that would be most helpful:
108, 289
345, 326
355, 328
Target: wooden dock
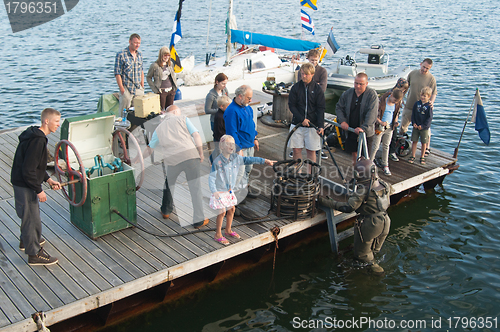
93, 275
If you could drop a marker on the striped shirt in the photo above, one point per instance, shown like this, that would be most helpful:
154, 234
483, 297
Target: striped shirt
130, 69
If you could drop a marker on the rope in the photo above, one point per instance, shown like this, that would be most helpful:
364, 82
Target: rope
275, 231
39, 319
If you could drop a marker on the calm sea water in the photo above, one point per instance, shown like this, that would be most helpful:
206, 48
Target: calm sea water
441, 256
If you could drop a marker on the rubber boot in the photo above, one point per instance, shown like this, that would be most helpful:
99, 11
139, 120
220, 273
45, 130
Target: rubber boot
377, 269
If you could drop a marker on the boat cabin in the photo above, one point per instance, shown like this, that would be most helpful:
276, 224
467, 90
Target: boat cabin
376, 64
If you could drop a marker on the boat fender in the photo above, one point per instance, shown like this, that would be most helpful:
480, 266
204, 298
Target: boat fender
178, 95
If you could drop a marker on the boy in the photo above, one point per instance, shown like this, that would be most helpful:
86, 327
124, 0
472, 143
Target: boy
219, 125
28, 173
421, 119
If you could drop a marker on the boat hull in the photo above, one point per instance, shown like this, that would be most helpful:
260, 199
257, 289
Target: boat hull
338, 83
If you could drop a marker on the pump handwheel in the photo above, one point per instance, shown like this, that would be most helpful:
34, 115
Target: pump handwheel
70, 174
122, 150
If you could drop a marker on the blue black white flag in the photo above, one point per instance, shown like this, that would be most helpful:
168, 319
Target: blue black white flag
307, 22
331, 43
176, 36
479, 118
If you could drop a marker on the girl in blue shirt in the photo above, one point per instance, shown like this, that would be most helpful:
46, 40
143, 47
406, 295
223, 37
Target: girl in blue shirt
222, 181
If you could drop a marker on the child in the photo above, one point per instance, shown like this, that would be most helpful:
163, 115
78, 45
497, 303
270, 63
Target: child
421, 118
219, 126
222, 180
387, 121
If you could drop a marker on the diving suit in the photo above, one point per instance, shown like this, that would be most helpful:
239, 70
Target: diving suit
370, 200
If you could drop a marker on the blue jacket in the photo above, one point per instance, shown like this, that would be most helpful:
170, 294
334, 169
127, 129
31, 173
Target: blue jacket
422, 115
225, 171
240, 125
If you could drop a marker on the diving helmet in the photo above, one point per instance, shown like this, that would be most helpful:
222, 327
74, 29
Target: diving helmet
364, 170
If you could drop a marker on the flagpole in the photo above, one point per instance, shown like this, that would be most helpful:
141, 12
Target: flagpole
455, 154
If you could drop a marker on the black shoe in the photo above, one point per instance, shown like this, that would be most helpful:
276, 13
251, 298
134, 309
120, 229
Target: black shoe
200, 224
21, 244
42, 258
290, 155
323, 155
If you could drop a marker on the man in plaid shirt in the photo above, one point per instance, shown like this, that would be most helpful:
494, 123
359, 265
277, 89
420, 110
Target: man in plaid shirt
129, 73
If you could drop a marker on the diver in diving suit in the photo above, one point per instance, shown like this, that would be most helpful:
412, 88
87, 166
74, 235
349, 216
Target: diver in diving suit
370, 200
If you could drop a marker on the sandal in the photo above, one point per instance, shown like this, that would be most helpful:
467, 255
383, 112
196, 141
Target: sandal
422, 160
427, 152
233, 234
222, 240
411, 160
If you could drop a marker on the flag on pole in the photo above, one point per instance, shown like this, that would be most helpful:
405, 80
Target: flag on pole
309, 3
331, 43
307, 22
479, 118
176, 36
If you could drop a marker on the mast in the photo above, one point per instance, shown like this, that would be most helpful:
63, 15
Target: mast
228, 32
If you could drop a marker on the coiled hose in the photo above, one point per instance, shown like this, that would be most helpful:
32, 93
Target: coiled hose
294, 193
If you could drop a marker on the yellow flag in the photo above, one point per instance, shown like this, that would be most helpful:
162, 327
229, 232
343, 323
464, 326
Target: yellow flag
309, 3
176, 61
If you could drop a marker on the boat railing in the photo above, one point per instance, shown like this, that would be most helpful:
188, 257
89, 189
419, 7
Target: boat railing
362, 142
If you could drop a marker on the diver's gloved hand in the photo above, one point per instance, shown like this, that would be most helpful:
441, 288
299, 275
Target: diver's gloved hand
327, 201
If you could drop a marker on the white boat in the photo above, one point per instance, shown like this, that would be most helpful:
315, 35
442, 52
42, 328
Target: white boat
250, 66
376, 66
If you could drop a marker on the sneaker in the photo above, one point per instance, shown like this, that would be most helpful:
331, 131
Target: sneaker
393, 156
323, 155
386, 170
42, 258
290, 155
21, 244
201, 224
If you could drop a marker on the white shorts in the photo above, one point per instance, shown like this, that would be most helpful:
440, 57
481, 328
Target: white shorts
305, 137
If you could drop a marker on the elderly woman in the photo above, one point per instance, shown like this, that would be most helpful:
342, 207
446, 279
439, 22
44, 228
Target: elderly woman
161, 78
211, 99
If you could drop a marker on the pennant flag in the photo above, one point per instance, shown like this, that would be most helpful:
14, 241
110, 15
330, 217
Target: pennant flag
309, 3
307, 22
176, 36
331, 43
479, 118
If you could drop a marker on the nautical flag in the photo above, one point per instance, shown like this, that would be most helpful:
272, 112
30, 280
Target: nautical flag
307, 22
309, 3
331, 43
176, 36
479, 118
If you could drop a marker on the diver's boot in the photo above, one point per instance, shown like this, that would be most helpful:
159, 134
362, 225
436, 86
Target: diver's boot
377, 269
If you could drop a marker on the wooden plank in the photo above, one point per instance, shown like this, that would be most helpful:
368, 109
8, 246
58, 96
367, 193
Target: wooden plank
173, 245
31, 285
13, 303
63, 287
94, 254
116, 293
188, 241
